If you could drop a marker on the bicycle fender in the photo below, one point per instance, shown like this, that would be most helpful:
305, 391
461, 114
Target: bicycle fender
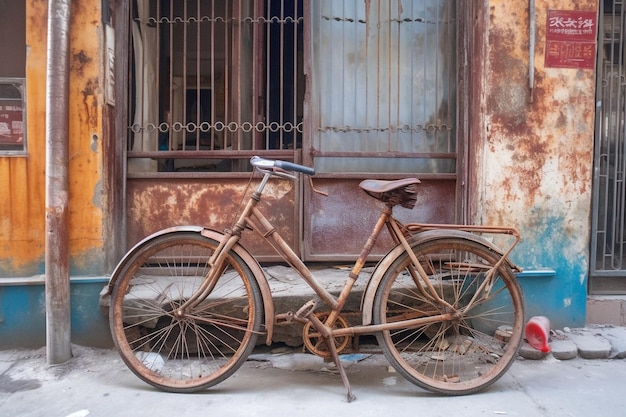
367, 302
257, 271
139, 244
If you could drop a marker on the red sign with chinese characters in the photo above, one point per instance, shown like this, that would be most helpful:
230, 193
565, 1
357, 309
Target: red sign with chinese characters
11, 123
571, 39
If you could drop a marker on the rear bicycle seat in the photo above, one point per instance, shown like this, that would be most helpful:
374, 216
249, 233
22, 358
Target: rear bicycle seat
403, 192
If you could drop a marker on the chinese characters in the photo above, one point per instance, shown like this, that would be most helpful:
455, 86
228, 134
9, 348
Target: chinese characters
571, 39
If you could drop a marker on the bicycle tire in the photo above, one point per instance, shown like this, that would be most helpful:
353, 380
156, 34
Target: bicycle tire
205, 346
460, 356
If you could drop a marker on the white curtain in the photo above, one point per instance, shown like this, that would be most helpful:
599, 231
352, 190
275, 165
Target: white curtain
145, 122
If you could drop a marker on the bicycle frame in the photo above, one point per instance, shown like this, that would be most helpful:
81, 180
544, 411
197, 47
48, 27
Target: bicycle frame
252, 218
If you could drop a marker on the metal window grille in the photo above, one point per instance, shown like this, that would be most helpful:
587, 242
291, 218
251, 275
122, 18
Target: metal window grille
384, 95
608, 246
214, 83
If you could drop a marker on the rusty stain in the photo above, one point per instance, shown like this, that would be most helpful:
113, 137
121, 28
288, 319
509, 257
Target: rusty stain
90, 100
207, 203
81, 59
545, 148
90, 87
519, 127
342, 216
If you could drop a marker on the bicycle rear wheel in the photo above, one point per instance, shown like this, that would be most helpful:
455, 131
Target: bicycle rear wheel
471, 351
205, 345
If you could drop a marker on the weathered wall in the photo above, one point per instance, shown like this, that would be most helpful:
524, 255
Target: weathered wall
22, 179
532, 162
536, 157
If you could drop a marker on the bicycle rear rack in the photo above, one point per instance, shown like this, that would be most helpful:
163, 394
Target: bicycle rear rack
415, 228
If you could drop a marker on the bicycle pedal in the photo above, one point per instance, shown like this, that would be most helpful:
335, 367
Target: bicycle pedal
284, 318
306, 309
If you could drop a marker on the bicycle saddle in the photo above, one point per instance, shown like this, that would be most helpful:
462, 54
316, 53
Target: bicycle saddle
403, 192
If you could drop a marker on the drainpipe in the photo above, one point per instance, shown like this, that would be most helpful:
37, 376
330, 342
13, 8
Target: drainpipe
531, 49
58, 336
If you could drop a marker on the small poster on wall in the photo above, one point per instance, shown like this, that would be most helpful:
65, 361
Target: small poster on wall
571, 39
11, 123
12, 115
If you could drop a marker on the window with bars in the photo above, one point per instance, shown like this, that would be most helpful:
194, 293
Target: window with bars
384, 86
215, 82
608, 239
219, 81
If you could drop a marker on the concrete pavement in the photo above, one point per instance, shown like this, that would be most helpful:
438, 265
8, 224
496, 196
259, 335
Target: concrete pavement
286, 382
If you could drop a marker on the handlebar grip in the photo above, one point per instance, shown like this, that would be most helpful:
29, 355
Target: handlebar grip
263, 163
290, 166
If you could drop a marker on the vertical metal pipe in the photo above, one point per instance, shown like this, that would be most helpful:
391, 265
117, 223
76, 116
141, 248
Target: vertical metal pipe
531, 48
57, 290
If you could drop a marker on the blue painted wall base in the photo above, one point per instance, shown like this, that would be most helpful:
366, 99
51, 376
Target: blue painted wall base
23, 308
546, 295
23, 313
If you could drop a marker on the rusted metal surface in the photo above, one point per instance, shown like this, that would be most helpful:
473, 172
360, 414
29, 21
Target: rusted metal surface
85, 140
229, 86
338, 225
211, 203
194, 139
22, 229
538, 155
22, 184
375, 105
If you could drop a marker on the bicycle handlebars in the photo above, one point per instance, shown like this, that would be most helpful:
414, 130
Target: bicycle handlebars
263, 163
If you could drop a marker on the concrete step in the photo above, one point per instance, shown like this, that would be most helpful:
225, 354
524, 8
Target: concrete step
596, 341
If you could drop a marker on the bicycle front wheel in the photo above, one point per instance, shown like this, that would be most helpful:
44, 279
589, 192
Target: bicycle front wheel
203, 346
468, 352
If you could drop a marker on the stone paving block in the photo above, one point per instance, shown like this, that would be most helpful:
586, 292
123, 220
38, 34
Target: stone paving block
590, 345
526, 351
564, 349
616, 337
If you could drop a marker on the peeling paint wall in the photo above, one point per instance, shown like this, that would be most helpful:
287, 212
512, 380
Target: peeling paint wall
531, 162
22, 179
536, 157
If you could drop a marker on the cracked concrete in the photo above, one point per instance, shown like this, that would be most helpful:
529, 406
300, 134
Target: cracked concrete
286, 382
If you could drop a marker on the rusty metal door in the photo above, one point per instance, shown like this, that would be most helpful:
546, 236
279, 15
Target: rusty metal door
608, 240
382, 89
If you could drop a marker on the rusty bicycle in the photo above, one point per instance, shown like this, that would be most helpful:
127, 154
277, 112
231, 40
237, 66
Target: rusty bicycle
188, 304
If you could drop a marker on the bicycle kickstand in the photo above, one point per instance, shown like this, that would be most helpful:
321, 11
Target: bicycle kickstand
330, 343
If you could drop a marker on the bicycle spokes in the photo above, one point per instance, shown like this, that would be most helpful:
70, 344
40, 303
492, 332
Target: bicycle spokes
476, 300
173, 344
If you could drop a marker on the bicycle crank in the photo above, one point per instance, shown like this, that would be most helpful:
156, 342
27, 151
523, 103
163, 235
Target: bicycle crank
325, 334
315, 343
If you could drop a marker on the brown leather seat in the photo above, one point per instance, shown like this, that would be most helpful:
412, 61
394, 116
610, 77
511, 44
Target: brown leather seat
403, 192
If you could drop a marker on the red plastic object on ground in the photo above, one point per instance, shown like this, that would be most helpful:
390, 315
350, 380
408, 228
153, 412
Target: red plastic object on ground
538, 333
